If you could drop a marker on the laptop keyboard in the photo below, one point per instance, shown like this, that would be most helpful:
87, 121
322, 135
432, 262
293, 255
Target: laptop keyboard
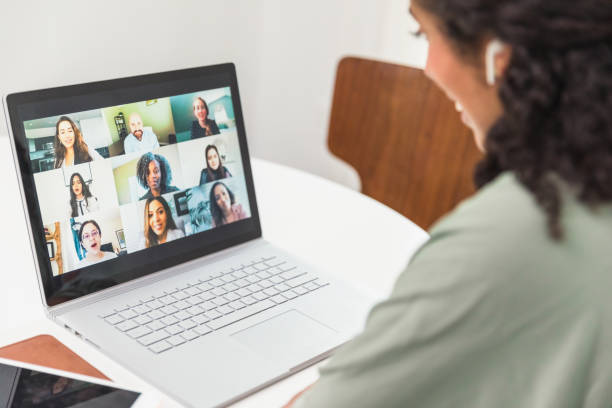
194, 309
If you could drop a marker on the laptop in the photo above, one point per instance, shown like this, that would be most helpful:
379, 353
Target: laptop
147, 241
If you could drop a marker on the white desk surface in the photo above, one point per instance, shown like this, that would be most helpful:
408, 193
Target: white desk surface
331, 226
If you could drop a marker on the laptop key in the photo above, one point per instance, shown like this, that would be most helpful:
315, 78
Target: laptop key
260, 296
213, 314
190, 335
192, 291
160, 347
202, 329
156, 325
182, 315
153, 337
176, 340
175, 329
278, 298
169, 320
225, 309
188, 324
181, 305
141, 309
138, 332
154, 304
126, 325
199, 319
240, 314
220, 301
128, 314
168, 310
289, 294
144, 319
300, 280
292, 273
249, 300
300, 290
180, 295
156, 314
237, 305
232, 296
168, 300
114, 319
311, 285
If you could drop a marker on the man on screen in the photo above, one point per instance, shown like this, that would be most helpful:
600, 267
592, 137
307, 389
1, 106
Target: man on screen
140, 138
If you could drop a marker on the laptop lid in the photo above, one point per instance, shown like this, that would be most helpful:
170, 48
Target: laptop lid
123, 178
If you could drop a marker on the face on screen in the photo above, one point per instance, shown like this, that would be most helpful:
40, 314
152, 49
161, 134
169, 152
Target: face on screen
200, 110
223, 198
66, 134
154, 175
136, 125
77, 186
157, 217
91, 238
213, 159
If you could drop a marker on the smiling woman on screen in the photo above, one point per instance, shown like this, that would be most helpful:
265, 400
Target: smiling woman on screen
159, 226
69, 146
508, 304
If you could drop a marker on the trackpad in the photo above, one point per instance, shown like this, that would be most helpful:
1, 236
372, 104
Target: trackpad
290, 338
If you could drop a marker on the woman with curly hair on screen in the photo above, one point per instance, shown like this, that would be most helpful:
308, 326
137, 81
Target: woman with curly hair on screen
154, 173
507, 304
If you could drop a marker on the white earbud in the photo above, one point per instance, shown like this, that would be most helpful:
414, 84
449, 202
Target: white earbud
493, 48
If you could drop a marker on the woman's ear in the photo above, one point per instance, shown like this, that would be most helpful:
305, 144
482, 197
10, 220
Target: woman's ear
497, 58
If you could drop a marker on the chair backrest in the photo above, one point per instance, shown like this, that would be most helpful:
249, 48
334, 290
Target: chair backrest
404, 138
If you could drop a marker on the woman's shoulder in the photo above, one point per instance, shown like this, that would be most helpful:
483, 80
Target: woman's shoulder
502, 202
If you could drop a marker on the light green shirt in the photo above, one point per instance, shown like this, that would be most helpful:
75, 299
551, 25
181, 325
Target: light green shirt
490, 313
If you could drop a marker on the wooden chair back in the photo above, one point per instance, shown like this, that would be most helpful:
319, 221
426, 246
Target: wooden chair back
404, 138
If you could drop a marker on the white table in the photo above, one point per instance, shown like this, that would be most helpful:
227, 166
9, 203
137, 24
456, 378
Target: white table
331, 226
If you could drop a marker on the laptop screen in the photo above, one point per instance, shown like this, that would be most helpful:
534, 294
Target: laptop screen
123, 178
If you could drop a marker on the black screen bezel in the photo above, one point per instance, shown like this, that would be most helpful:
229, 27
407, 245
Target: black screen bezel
95, 95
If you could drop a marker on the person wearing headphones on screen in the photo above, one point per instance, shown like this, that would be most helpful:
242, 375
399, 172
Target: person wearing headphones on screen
507, 304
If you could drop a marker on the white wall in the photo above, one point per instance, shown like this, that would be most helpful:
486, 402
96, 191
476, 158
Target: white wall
285, 51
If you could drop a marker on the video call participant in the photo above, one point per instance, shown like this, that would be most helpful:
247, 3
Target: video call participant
223, 206
214, 169
202, 126
153, 172
69, 146
90, 237
139, 138
81, 199
159, 226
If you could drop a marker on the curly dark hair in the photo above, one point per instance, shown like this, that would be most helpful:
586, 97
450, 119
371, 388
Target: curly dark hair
556, 93
142, 169
215, 211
